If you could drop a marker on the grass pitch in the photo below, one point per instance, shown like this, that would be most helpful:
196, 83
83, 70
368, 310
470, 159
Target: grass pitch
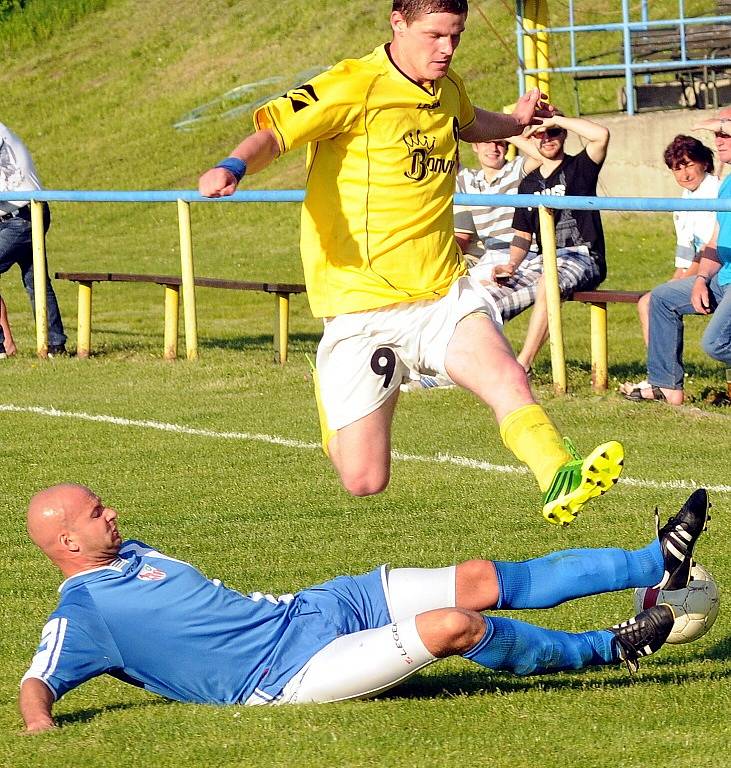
96, 105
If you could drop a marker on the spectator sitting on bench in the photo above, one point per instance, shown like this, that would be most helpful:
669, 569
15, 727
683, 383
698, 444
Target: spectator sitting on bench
579, 236
707, 292
691, 162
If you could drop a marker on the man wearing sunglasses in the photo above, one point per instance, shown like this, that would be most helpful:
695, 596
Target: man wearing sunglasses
579, 235
704, 293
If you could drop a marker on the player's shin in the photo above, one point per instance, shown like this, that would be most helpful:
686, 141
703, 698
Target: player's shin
534, 439
524, 649
547, 581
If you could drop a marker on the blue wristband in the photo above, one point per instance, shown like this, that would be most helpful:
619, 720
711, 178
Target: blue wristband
235, 166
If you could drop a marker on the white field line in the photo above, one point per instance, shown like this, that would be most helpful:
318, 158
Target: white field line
440, 458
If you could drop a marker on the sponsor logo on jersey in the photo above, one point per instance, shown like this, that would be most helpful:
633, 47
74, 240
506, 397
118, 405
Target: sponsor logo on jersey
420, 148
150, 573
433, 105
302, 97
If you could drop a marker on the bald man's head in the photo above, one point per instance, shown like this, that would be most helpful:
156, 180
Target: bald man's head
69, 523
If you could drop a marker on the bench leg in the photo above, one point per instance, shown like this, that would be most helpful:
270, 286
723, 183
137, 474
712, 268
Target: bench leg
599, 362
281, 327
83, 332
172, 302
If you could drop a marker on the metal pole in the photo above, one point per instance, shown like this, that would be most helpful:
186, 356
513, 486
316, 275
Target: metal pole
542, 46
39, 277
188, 277
83, 333
520, 44
599, 354
529, 45
172, 301
553, 299
628, 78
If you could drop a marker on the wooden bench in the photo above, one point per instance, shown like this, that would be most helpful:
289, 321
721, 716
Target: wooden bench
171, 284
598, 301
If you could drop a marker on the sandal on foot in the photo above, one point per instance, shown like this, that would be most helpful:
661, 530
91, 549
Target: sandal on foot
636, 396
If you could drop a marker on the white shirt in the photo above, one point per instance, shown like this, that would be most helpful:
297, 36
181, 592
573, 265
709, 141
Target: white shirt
695, 228
17, 170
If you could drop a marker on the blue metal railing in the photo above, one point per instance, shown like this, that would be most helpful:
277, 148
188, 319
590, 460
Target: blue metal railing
298, 195
629, 66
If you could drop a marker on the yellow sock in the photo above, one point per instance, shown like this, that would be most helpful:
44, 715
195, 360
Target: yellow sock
534, 439
325, 431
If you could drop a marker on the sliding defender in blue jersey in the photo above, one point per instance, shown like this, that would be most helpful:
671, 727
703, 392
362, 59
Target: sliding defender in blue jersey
130, 611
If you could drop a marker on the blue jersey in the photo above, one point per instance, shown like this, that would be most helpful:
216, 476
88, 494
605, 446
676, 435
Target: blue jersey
160, 623
724, 235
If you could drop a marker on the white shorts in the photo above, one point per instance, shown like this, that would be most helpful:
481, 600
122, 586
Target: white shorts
363, 357
367, 662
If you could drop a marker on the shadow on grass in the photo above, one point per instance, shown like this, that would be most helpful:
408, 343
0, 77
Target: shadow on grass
144, 342
662, 671
472, 682
242, 343
87, 715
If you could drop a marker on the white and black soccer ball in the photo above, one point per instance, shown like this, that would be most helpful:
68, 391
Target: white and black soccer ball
695, 607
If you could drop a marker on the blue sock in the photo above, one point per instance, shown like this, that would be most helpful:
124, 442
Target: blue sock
524, 649
547, 581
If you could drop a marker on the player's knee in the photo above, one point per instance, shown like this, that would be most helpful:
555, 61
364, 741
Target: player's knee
461, 630
366, 482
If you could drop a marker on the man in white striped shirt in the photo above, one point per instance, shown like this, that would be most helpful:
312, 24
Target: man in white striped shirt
484, 233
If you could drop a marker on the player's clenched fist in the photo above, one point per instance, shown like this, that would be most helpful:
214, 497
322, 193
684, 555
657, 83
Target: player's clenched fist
217, 182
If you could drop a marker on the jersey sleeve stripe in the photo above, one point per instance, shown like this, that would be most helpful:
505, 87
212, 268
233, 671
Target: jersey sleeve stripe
45, 661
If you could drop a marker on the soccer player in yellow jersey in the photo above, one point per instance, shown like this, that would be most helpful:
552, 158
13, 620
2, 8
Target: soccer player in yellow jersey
381, 263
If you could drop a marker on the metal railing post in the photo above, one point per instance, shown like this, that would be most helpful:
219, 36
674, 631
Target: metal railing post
39, 276
188, 277
553, 299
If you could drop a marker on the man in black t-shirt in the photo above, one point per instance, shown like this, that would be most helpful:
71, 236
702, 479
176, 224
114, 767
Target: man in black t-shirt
579, 235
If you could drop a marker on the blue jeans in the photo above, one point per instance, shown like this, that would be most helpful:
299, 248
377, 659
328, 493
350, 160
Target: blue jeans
16, 247
669, 302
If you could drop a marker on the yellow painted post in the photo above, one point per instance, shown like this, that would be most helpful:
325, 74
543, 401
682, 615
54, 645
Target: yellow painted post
599, 356
281, 327
535, 47
553, 299
83, 334
188, 277
39, 276
529, 43
172, 301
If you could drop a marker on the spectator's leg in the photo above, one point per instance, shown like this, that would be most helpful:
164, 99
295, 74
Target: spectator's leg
56, 335
6, 335
669, 302
537, 332
643, 310
577, 270
717, 336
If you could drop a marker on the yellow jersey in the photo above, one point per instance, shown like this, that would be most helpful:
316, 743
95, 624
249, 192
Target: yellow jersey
377, 221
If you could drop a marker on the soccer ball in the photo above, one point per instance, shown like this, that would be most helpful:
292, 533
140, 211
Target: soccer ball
695, 607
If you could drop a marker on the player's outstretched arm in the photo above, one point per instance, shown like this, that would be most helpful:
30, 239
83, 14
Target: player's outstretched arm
35, 703
251, 156
530, 109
